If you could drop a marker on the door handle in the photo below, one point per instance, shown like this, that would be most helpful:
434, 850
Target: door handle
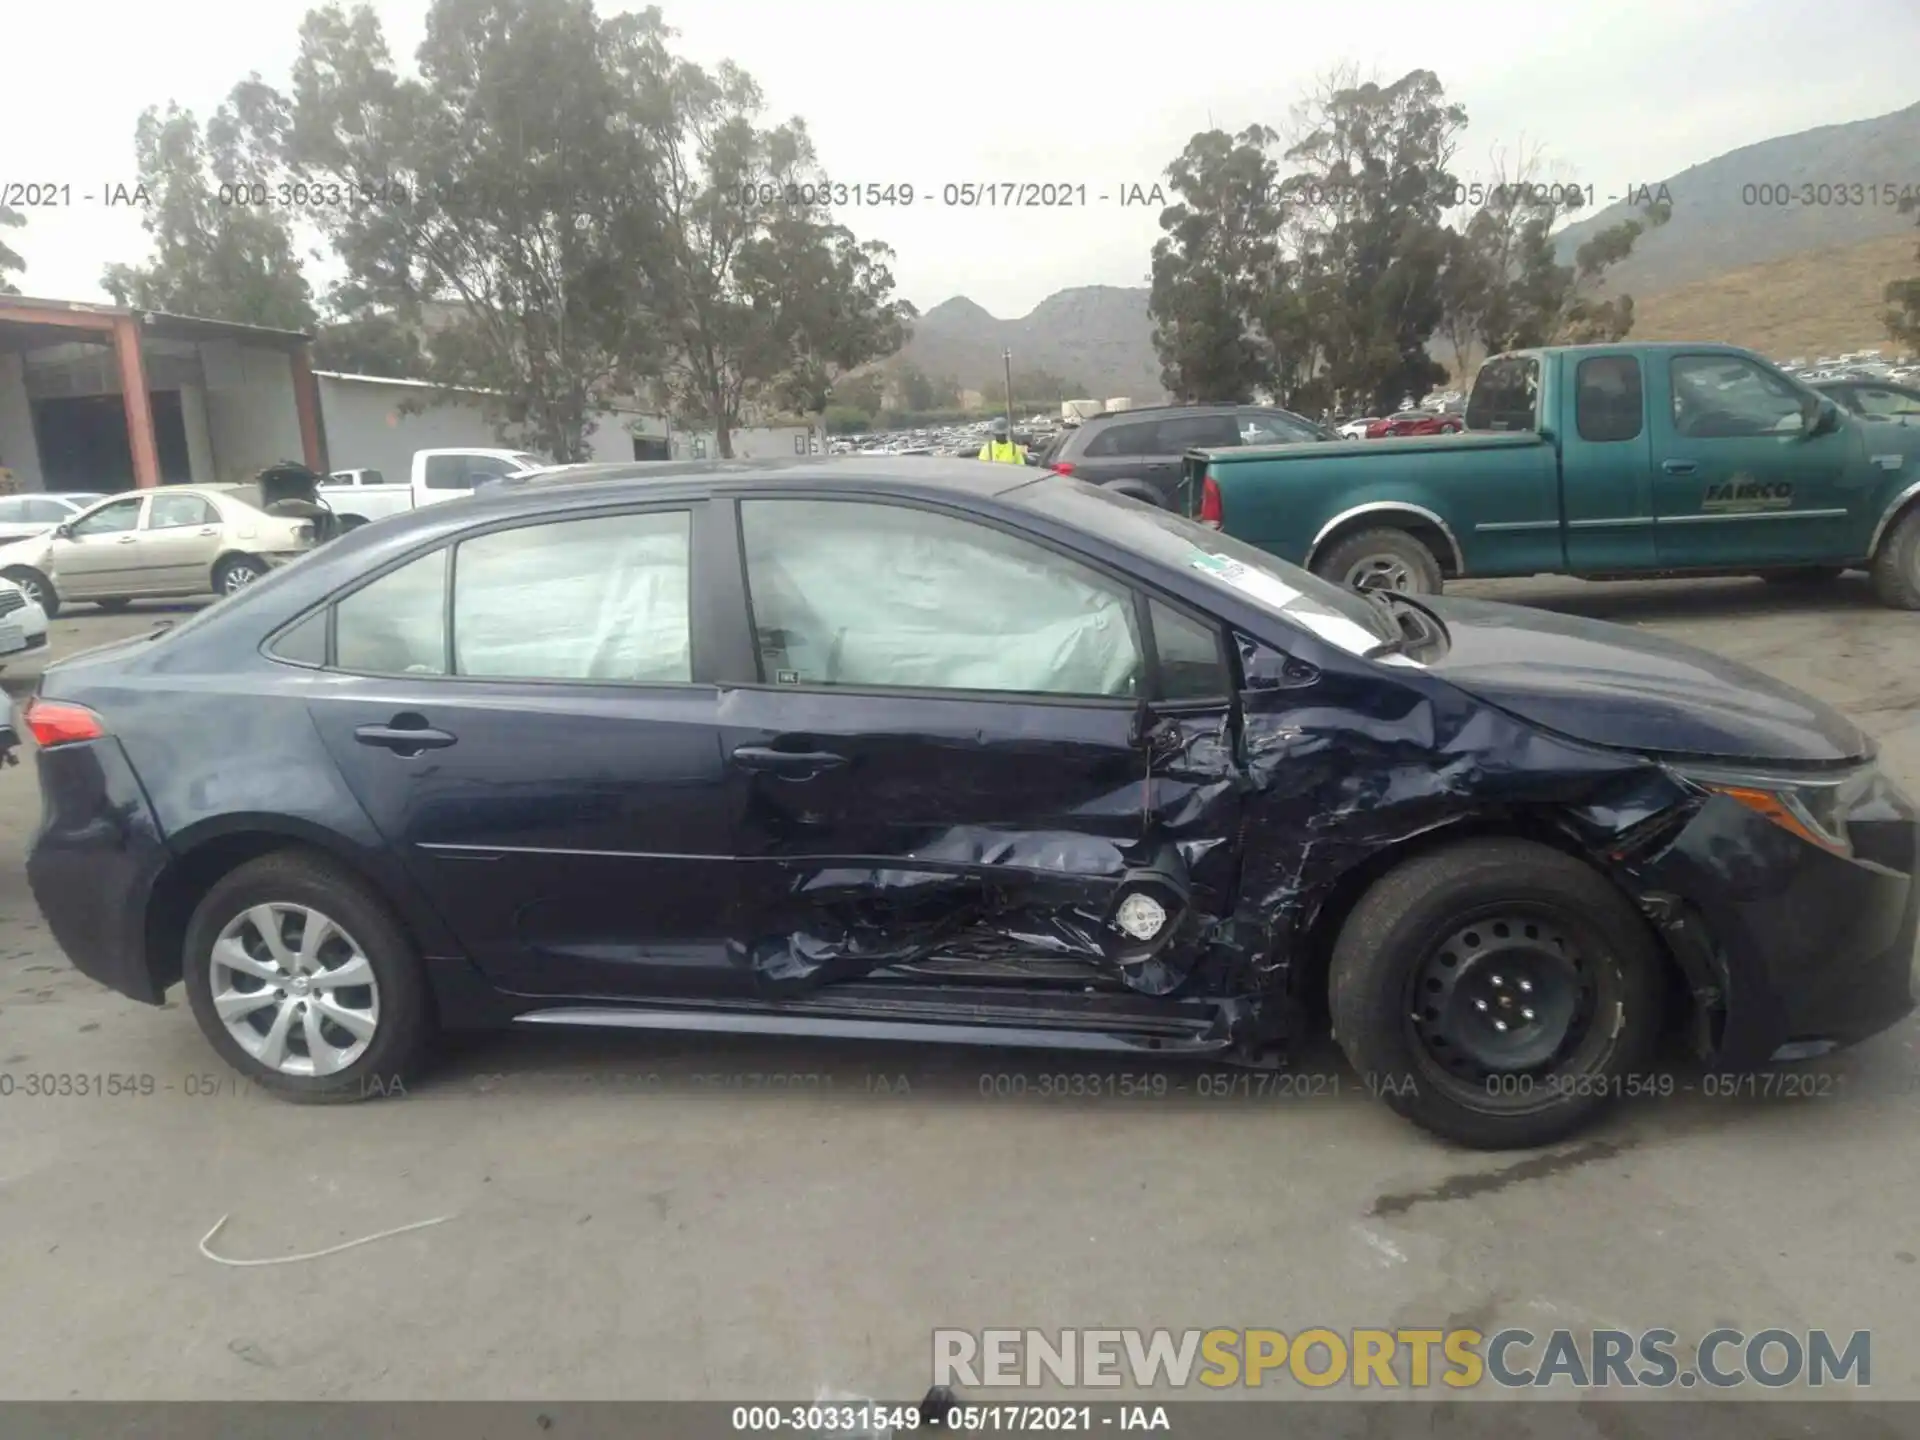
127, 539
403, 739
788, 764
210, 530
1679, 467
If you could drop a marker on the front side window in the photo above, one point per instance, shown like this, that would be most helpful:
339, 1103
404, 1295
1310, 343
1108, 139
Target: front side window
1607, 398
111, 519
398, 624
1259, 429
605, 599
1185, 432
1724, 397
871, 595
1189, 654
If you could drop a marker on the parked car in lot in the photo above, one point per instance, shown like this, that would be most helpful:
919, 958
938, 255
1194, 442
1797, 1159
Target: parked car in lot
1137, 452
1875, 399
1415, 422
25, 515
361, 496
1601, 461
1356, 428
178, 540
23, 624
934, 750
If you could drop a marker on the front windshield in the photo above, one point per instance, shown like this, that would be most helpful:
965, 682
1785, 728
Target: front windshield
1339, 616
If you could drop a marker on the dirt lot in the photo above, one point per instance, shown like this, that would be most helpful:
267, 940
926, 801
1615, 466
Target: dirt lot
643, 1217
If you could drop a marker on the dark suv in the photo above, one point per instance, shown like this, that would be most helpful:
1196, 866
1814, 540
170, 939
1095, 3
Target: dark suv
1137, 452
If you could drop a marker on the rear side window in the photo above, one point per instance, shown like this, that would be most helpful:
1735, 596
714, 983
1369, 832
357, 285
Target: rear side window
1122, 440
1506, 395
604, 599
305, 643
1607, 403
398, 624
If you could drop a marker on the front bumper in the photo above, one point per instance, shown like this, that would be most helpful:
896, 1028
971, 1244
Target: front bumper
1785, 943
94, 861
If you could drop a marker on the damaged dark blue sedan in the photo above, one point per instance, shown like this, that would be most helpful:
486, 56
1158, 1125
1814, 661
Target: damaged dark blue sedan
938, 750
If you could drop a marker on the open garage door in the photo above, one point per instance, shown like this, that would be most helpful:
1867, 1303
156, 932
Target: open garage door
84, 446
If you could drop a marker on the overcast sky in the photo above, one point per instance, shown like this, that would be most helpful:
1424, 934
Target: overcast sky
1618, 92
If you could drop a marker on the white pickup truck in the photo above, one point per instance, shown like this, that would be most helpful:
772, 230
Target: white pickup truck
360, 496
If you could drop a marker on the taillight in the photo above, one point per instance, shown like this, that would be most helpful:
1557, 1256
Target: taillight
55, 722
1065, 467
1212, 513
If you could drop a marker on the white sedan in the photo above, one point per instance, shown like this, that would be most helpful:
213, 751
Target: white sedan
25, 515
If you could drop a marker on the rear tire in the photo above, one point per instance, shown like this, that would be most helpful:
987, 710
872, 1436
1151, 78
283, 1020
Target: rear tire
36, 587
1438, 932
1895, 571
236, 572
299, 886
1384, 560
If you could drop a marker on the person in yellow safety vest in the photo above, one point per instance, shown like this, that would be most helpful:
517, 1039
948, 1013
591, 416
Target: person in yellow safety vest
1000, 446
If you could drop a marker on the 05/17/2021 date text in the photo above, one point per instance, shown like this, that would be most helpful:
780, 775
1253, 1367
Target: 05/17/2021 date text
953, 194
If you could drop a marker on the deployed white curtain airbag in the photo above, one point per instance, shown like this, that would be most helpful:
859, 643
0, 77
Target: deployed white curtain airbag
849, 593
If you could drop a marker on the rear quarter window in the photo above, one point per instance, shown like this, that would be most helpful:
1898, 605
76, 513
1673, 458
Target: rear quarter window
1506, 395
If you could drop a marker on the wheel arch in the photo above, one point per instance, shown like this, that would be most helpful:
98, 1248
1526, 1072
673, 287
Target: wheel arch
1423, 524
205, 854
1308, 975
1906, 500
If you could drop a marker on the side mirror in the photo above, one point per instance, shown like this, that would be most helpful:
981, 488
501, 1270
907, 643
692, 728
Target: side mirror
63, 531
1822, 416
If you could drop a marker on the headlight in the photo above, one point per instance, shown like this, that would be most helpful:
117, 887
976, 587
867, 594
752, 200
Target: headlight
1814, 808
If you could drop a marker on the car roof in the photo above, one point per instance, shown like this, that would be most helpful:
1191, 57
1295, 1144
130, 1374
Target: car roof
932, 474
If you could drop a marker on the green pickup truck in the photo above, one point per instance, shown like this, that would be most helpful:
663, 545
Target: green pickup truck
1600, 461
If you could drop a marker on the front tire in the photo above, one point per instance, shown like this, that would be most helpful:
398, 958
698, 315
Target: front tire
1381, 560
236, 572
36, 587
304, 982
1496, 992
1895, 571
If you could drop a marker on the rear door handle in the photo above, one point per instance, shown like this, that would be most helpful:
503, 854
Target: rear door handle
403, 739
128, 539
1679, 467
789, 764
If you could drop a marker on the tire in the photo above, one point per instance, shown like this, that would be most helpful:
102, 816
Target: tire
1804, 575
37, 588
1895, 571
114, 605
236, 572
402, 1023
1498, 892
1388, 553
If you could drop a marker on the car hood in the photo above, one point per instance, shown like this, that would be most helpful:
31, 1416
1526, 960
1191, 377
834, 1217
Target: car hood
1612, 685
31, 551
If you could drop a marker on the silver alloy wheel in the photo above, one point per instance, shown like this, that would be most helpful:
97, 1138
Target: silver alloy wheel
1382, 572
294, 990
239, 576
31, 589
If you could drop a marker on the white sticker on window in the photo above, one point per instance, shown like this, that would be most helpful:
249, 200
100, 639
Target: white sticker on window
1257, 583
